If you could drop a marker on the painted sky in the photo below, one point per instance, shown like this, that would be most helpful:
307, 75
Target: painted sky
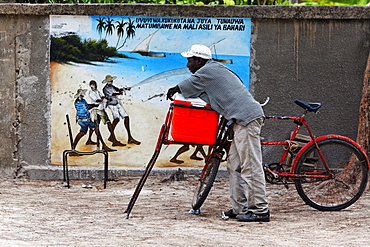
175, 34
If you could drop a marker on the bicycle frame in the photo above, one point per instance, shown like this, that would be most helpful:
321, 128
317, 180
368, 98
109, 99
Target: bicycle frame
301, 121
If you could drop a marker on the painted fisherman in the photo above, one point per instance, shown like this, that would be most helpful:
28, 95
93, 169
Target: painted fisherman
111, 93
98, 113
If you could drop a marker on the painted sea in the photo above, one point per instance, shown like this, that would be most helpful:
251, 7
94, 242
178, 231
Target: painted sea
139, 70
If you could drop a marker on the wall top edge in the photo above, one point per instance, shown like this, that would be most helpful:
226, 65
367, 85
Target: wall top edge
245, 11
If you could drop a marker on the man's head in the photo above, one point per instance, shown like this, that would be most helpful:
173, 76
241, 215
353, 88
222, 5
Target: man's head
197, 57
109, 79
201, 51
80, 93
93, 85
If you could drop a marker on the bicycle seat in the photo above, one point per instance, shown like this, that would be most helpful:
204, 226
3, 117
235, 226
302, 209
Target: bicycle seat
311, 107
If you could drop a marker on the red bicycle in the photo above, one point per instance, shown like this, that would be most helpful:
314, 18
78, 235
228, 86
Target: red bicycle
330, 172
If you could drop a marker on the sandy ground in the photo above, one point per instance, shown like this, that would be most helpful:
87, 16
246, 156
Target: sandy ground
44, 213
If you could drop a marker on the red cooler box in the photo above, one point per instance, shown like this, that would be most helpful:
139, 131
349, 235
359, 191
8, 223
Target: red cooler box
193, 121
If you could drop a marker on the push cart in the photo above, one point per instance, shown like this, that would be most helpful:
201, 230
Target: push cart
189, 122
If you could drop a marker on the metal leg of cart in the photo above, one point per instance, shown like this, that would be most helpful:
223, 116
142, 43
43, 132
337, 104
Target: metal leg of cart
147, 171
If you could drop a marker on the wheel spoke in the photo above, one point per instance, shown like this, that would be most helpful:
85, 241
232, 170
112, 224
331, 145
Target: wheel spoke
205, 183
349, 168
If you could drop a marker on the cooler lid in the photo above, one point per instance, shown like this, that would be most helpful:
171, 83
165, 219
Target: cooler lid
197, 102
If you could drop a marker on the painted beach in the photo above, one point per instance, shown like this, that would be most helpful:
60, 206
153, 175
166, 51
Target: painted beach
149, 79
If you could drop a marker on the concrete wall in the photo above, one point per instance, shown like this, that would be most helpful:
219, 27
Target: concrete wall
7, 94
312, 60
24, 92
314, 53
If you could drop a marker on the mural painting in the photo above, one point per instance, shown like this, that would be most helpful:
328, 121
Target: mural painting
114, 72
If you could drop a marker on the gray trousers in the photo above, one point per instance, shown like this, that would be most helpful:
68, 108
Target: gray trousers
244, 165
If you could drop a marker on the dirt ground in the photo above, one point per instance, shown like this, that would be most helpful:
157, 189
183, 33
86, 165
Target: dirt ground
44, 213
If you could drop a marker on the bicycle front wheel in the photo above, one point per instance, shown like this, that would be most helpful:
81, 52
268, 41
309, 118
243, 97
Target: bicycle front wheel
350, 173
205, 183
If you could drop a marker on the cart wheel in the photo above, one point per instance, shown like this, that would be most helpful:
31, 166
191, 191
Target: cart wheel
205, 182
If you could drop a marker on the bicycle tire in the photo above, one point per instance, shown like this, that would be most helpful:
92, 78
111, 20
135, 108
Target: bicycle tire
350, 169
205, 183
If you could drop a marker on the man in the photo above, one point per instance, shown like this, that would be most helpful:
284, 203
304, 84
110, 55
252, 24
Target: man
224, 91
98, 113
84, 120
114, 104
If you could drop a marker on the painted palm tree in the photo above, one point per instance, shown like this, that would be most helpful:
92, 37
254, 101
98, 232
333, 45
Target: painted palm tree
109, 27
100, 26
120, 30
130, 31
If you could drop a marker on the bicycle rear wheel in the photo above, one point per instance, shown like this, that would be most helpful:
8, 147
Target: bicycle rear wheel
350, 173
205, 183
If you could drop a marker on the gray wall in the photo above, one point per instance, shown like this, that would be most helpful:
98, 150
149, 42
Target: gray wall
312, 53
311, 60
25, 92
7, 94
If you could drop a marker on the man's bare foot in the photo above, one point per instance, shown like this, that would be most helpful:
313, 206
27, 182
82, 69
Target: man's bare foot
108, 149
90, 142
194, 157
133, 141
118, 144
173, 160
74, 154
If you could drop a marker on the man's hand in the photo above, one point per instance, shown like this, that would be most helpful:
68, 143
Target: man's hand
92, 106
171, 92
124, 89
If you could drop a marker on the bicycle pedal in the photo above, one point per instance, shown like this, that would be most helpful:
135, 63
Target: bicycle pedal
285, 183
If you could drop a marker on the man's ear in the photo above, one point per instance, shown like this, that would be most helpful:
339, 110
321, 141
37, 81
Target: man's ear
201, 61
